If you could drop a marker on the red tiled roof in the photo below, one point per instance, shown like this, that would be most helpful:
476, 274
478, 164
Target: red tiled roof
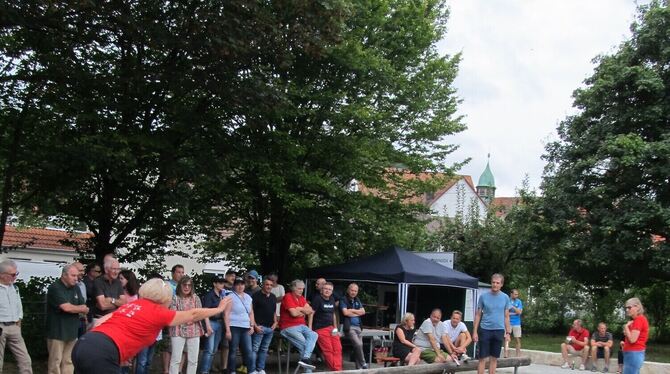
502, 205
423, 198
39, 238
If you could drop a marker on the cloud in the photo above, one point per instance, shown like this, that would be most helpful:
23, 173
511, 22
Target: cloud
521, 61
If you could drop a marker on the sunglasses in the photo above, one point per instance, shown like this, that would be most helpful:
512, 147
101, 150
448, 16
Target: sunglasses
13, 274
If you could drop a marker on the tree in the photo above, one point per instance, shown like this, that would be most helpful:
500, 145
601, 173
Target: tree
606, 181
352, 108
139, 99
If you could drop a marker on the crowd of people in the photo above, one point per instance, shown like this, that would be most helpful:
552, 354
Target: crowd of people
101, 320
600, 345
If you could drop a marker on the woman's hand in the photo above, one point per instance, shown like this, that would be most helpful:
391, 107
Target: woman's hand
251, 330
229, 336
209, 331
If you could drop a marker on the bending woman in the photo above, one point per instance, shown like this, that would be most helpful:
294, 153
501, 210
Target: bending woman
120, 335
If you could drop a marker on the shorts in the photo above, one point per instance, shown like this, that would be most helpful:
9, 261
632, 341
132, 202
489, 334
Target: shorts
429, 355
600, 352
573, 351
490, 343
516, 331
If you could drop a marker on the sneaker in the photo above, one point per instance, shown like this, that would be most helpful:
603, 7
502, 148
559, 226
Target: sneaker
262, 371
606, 369
364, 367
306, 363
594, 368
565, 365
465, 358
581, 367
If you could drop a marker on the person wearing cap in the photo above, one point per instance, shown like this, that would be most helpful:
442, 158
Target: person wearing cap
240, 325
211, 300
252, 283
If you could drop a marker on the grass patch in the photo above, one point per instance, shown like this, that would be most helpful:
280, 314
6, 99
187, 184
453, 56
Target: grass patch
657, 352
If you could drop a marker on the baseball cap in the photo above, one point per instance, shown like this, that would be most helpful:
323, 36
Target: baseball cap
238, 280
218, 278
254, 274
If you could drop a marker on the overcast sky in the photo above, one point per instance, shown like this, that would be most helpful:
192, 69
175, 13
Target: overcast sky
521, 61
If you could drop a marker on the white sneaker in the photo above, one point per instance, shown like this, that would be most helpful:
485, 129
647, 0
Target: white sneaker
581, 367
465, 357
565, 365
262, 371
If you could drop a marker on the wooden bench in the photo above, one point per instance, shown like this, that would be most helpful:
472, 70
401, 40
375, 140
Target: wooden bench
448, 367
388, 361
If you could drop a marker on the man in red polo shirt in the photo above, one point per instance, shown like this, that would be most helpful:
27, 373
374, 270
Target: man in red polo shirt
294, 309
576, 344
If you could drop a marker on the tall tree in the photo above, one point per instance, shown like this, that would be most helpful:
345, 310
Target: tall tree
607, 177
334, 112
136, 94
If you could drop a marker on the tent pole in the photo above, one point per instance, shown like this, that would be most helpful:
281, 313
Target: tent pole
402, 300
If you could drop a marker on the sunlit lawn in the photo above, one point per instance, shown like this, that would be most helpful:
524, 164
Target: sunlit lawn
552, 343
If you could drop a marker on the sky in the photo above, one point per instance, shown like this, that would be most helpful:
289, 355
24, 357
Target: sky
521, 61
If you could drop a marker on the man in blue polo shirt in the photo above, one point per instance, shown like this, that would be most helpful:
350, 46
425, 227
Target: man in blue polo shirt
492, 325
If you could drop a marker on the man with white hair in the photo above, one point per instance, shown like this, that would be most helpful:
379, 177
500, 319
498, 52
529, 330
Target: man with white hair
293, 325
107, 289
11, 314
64, 305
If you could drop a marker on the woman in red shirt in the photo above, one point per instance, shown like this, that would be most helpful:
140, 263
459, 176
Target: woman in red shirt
120, 335
636, 332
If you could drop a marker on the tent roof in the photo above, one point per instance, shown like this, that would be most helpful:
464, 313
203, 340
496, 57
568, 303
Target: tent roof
395, 265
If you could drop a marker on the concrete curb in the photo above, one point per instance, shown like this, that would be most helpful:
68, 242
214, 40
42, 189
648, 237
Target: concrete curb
555, 359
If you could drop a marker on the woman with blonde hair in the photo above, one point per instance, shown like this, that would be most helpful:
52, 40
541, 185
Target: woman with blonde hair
121, 334
403, 347
636, 332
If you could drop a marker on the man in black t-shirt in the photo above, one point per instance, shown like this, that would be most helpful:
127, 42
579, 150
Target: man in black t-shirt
322, 321
264, 305
601, 346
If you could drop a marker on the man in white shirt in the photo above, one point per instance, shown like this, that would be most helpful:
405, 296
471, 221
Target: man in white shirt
459, 336
11, 314
428, 337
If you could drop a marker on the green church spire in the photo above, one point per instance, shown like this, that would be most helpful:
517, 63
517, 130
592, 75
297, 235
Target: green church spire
486, 179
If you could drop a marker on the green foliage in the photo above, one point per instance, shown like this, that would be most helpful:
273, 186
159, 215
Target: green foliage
33, 326
376, 94
153, 121
606, 179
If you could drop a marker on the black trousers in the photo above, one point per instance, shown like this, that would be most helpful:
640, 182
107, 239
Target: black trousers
95, 353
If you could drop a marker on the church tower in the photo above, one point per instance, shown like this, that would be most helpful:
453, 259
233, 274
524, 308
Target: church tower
486, 187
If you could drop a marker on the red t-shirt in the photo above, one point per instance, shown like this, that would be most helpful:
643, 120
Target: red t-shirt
135, 325
285, 318
639, 323
578, 336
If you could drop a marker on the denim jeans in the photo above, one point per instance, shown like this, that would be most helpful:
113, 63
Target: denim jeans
240, 337
261, 344
143, 359
632, 361
302, 338
211, 346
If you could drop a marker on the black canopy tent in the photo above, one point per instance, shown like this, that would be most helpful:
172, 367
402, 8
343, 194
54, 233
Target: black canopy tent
396, 266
